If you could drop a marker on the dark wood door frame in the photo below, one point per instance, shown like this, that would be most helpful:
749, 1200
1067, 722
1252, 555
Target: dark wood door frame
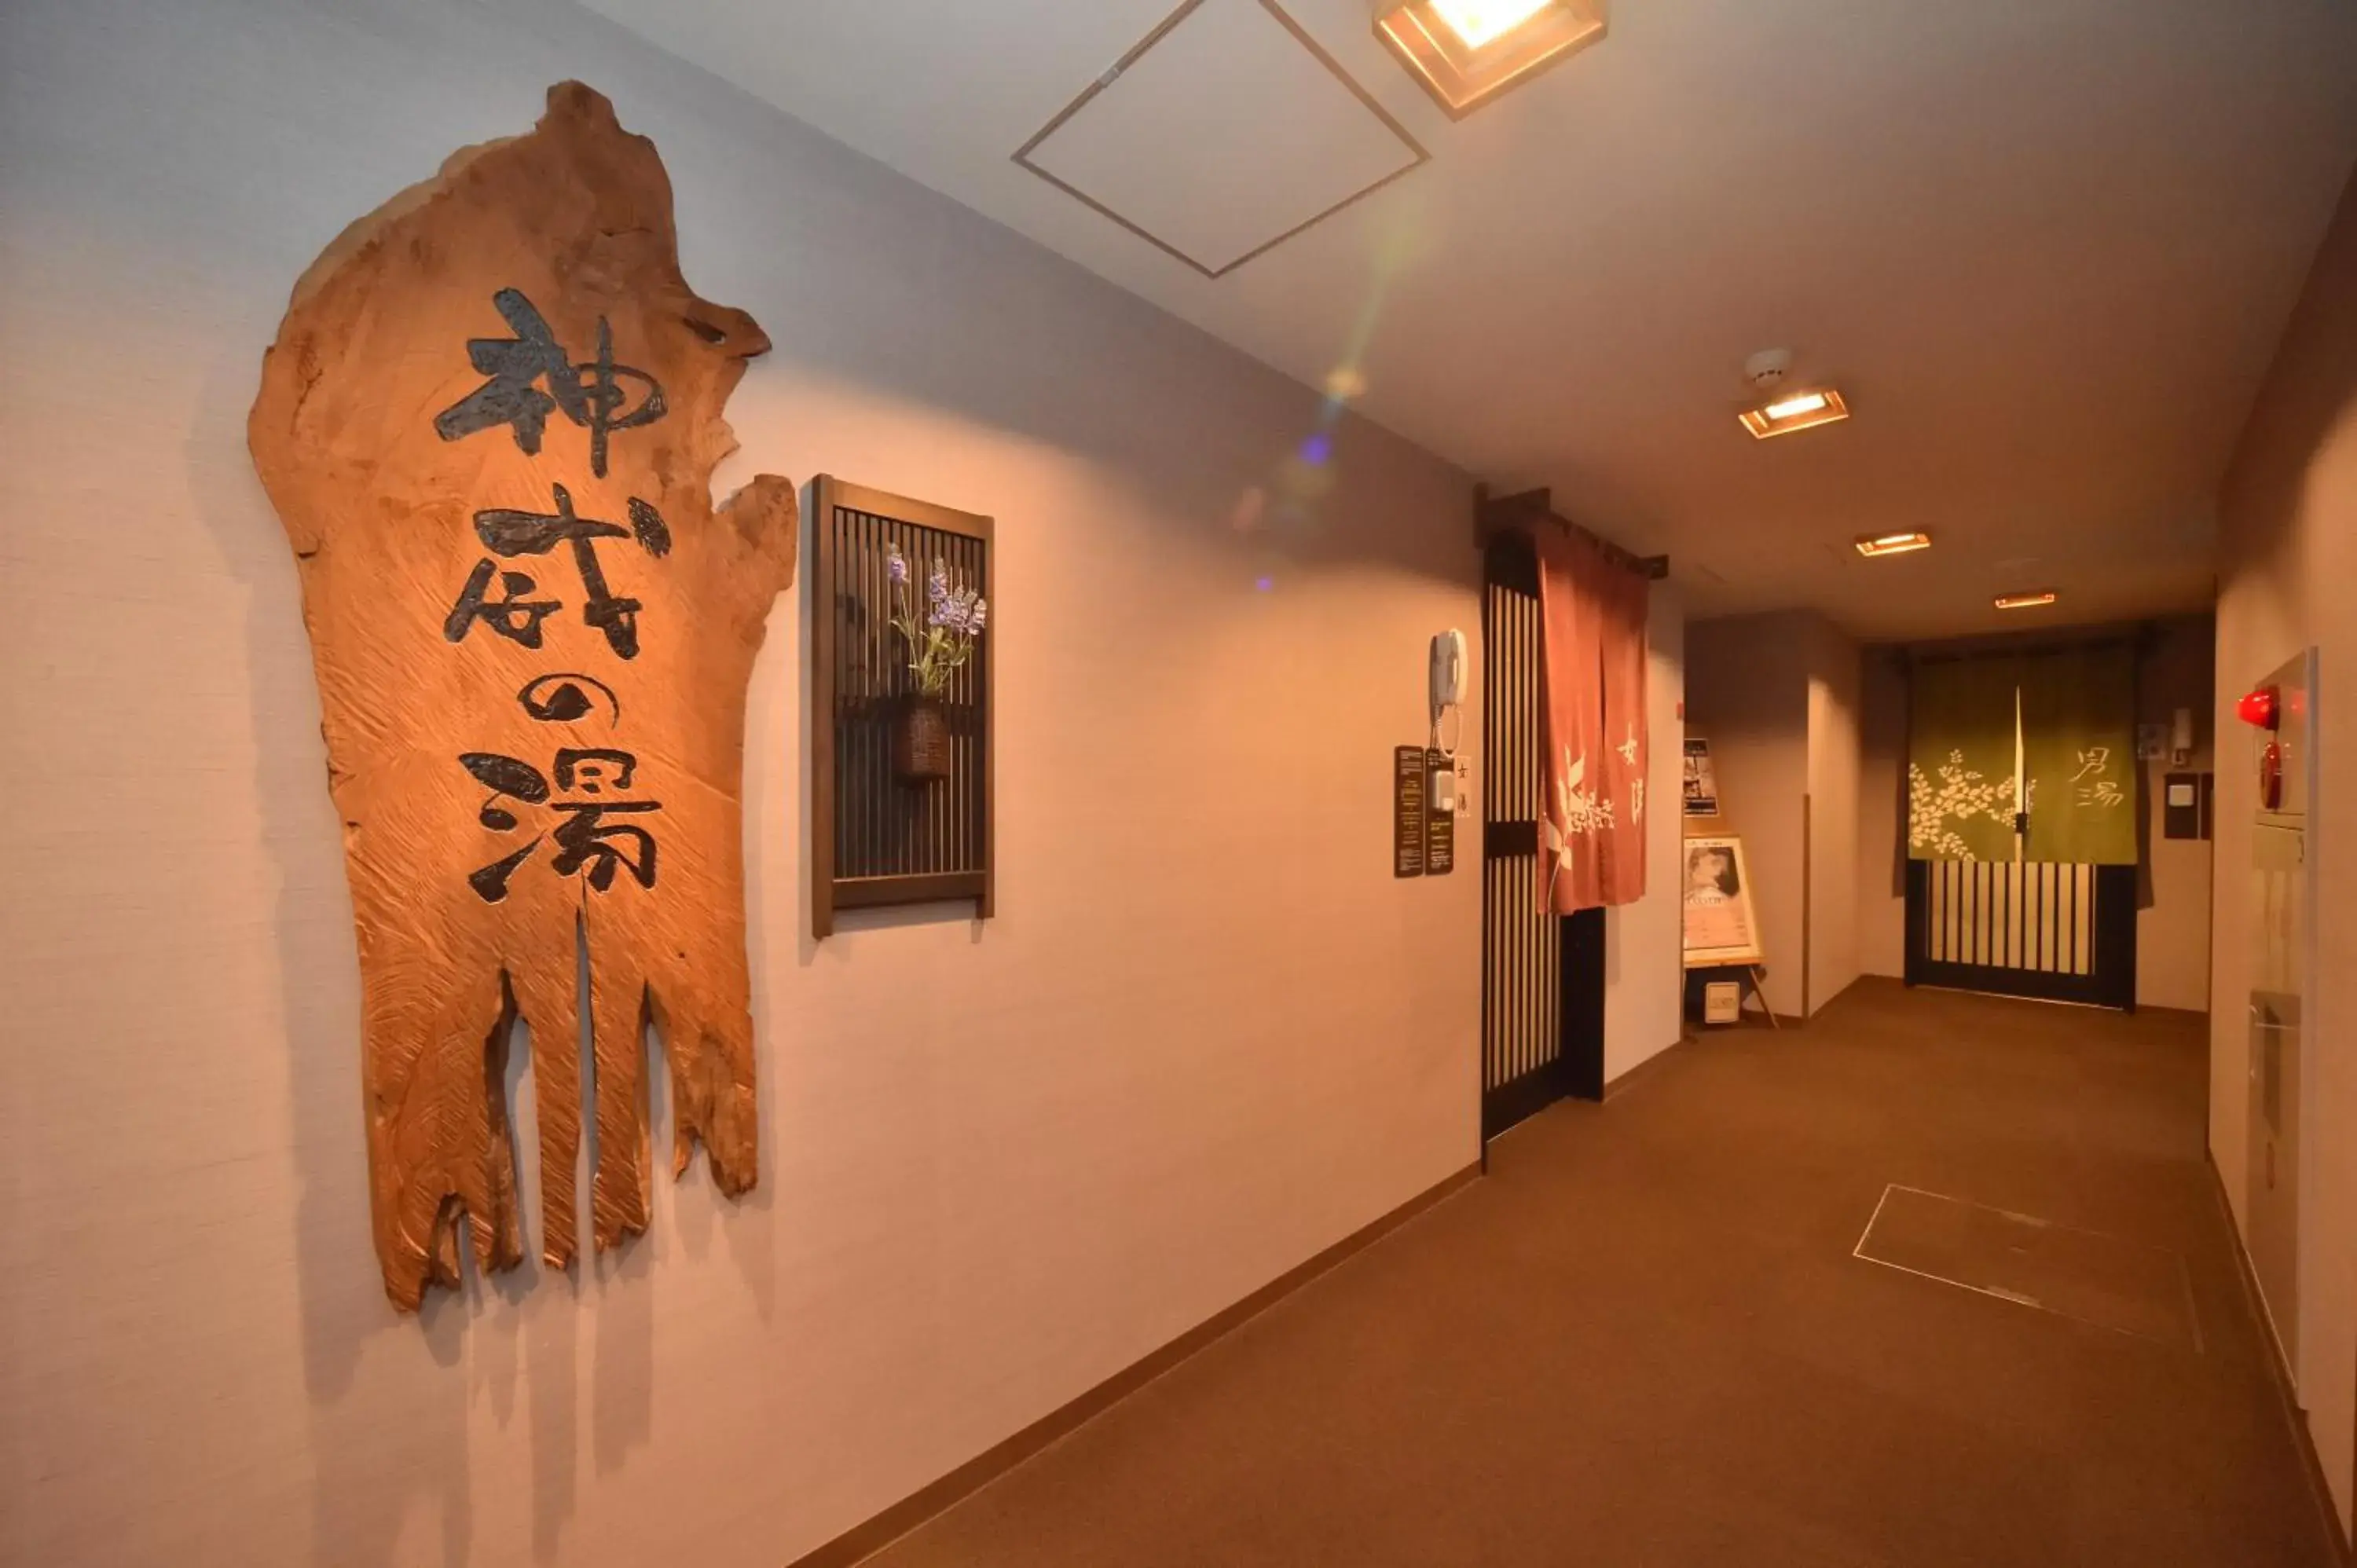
1542, 976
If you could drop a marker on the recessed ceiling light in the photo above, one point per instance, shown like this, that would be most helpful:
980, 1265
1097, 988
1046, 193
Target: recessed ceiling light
1465, 52
1480, 22
2024, 601
1801, 411
1893, 544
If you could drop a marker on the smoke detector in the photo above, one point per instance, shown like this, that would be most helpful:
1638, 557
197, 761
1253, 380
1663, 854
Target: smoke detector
1784, 408
1766, 370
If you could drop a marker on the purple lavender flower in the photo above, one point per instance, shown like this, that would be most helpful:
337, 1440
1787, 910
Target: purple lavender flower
961, 611
896, 564
937, 586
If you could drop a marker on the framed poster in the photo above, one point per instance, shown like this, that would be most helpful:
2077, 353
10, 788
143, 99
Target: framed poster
1701, 779
1720, 927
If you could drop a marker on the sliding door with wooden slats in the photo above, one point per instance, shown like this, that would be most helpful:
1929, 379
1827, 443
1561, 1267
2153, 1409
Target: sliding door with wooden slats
2061, 932
1542, 975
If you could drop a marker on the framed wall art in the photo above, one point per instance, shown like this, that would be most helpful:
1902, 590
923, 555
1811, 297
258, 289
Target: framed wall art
902, 709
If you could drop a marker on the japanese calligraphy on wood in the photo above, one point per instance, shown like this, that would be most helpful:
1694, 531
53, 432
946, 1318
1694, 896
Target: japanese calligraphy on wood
489, 424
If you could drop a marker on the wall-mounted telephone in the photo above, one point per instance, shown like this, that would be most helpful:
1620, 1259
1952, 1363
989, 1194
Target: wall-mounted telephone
1448, 672
1447, 693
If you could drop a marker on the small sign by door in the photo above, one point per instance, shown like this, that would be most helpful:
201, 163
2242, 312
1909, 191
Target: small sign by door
1440, 814
1409, 785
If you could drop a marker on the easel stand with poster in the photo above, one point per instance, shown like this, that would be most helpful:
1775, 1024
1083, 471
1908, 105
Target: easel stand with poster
1720, 929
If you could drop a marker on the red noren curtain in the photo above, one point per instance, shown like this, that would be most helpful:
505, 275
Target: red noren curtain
1592, 829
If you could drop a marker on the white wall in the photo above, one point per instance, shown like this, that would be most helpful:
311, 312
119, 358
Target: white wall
1643, 951
1777, 697
1833, 813
1881, 813
2287, 540
2173, 931
1207, 1036
1748, 695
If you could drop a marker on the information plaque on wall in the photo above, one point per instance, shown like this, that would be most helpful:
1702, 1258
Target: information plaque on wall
1409, 784
1440, 823
1701, 779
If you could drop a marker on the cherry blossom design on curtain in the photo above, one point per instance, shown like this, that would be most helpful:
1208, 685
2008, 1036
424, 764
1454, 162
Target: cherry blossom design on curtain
1592, 618
1959, 794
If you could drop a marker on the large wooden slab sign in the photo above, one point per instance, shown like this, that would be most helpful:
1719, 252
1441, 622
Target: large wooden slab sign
489, 424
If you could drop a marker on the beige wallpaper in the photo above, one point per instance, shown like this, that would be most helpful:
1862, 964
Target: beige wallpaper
2173, 931
1836, 670
1207, 1036
1881, 813
1748, 680
2288, 547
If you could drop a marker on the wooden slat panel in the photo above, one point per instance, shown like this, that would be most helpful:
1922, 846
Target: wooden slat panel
2030, 916
888, 829
1522, 945
881, 841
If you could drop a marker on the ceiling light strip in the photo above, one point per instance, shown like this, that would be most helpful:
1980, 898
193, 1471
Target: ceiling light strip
1802, 411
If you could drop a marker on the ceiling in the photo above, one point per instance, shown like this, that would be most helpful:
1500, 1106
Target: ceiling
2045, 247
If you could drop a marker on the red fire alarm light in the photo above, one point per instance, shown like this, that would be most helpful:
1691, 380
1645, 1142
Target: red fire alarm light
2260, 709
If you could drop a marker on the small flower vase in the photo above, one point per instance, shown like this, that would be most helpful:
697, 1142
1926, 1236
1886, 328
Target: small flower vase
921, 740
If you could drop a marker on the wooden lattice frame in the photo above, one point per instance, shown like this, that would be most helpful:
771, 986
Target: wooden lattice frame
876, 841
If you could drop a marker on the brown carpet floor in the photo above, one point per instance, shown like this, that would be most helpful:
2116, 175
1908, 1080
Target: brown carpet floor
1643, 1340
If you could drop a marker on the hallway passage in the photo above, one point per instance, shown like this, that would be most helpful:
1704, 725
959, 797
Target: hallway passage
1644, 1339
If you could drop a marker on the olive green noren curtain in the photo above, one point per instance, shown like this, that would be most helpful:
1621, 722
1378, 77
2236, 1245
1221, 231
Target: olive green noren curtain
2078, 754
2065, 719
1960, 760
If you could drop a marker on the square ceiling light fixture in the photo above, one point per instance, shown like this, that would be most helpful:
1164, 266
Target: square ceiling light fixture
1466, 52
1801, 411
